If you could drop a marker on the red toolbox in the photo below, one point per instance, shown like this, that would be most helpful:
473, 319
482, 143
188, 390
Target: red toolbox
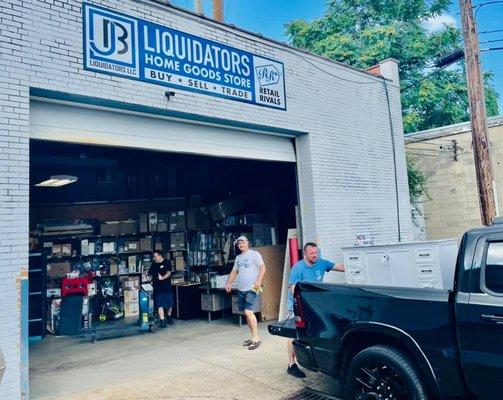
70, 286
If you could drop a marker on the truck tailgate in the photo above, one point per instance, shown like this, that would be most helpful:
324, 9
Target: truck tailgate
285, 328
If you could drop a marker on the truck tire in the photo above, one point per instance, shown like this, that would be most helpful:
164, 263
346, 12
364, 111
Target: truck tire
381, 372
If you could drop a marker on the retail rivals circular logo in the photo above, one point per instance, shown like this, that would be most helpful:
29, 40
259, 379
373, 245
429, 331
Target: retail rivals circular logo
267, 75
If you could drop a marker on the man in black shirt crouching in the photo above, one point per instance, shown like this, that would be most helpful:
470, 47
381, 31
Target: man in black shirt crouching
160, 271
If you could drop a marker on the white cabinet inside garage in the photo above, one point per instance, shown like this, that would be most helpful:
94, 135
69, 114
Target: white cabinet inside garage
420, 265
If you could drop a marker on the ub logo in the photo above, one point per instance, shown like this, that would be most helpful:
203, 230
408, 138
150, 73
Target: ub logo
111, 37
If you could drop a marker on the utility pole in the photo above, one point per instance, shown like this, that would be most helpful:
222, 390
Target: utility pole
476, 100
218, 10
198, 6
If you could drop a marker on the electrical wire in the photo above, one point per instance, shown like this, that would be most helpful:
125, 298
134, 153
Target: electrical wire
487, 32
491, 41
492, 49
479, 6
424, 78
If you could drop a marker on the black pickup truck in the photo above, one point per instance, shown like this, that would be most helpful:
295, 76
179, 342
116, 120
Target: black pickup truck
402, 343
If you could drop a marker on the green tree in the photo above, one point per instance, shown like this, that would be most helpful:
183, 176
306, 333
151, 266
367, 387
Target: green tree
363, 32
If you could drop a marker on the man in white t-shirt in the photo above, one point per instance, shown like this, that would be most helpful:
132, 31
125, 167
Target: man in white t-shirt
250, 270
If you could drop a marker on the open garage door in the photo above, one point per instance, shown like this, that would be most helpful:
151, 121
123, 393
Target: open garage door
68, 123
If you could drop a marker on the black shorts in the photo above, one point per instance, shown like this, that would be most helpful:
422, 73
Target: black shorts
163, 299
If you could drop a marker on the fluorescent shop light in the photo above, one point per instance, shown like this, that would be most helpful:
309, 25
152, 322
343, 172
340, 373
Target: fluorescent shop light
57, 181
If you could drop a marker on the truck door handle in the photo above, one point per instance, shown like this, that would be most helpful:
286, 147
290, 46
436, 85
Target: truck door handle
492, 318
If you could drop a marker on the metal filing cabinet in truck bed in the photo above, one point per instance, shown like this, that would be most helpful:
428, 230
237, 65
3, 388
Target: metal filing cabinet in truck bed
422, 265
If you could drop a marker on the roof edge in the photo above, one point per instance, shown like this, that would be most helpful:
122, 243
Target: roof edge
449, 130
167, 4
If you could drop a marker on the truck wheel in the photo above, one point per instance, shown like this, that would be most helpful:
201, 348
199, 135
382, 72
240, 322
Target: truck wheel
381, 372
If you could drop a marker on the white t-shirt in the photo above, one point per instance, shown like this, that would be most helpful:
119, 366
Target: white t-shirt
248, 266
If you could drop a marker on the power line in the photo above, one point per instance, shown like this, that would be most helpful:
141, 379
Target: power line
492, 48
491, 41
493, 31
424, 78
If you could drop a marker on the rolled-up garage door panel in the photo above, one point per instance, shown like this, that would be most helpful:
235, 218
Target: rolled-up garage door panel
69, 123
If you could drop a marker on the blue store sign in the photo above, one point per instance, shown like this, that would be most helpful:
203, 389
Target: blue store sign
121, 45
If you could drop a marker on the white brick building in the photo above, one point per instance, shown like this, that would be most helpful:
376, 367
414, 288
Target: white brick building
339, 117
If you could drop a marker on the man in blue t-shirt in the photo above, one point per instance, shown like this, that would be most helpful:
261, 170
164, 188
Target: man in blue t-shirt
309, 269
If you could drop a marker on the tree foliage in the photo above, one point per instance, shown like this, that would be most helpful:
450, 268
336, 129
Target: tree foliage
417, 190
363, 32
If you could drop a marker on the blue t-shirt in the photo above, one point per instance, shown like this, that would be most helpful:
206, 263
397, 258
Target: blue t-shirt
303, 272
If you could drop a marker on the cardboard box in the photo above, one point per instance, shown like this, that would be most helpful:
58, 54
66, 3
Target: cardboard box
274, 259
66, 249
162, 227
143, 223
152, 221
110, 228
146, 243
215, 301
56, 249
177, 241
114, 269
131, 296
58, 270
177, 221
179, 263
131, 283
158, 245
132, 245
131, 309
131, 263
128, 227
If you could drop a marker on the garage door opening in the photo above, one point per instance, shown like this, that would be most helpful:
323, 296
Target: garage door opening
91, 240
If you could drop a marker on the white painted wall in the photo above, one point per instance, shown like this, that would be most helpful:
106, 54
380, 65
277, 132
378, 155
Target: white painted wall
345, 169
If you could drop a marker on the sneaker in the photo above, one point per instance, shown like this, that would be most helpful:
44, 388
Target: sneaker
170, 321
163, 324
295, 371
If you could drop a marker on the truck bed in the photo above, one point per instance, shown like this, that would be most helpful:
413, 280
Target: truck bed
333, 310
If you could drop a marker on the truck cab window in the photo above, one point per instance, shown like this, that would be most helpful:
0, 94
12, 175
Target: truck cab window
494, 267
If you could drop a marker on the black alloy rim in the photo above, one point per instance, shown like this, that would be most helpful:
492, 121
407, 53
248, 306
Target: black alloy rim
379, 381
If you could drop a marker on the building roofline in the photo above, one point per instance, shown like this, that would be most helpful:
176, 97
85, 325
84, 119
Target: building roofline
286, 46
449, 130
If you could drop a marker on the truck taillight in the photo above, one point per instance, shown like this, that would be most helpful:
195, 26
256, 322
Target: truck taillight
299, 312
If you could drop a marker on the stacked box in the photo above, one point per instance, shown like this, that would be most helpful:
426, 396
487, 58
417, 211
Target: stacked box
152, 221
143, 223
146, 243
131, 290
177, 241
162, 222
177, 221
128, 227
110, 228
58, 270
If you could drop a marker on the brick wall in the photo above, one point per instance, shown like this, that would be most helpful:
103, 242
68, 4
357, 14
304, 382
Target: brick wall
346, 178
452, 204
14, 104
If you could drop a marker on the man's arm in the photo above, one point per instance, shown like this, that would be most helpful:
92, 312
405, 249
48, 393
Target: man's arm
339, 267
261, 274
232, 276
165, 276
